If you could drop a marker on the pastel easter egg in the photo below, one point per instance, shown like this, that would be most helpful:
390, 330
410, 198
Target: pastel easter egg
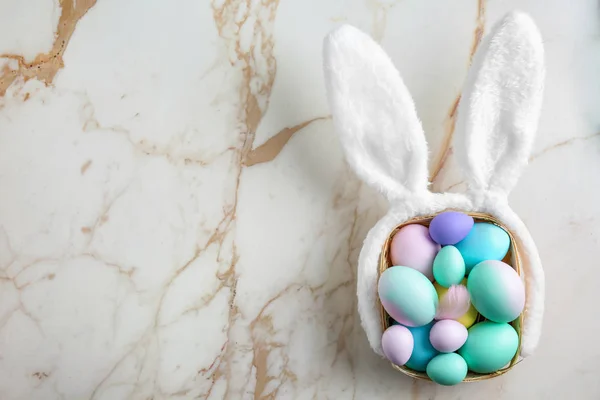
423, 351
397, 343
450, 227
447, 369
407, 296
470, 316
484, 242
413, 247
496, 291
489, 346
448, 266
447, 335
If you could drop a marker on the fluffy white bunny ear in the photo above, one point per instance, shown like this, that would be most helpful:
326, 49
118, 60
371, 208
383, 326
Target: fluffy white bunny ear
499, 109
374, 114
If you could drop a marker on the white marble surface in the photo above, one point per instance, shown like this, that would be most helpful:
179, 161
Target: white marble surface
161, 238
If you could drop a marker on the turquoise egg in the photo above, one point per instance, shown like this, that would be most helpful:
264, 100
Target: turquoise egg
484, 242
447, 369
448, 267
423, 351
408, 296
496, 291
489, 346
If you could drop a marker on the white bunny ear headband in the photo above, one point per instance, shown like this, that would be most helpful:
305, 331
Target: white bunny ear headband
383, 141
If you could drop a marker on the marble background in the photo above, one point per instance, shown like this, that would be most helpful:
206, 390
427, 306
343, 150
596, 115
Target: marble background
177, 221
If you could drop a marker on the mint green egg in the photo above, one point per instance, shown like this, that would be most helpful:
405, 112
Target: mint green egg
484, 242
496, 291
447, 369
489, 346
407, 295
448, 267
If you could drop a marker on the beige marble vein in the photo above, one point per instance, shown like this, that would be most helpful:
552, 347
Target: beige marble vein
439, 161
272, 147
45, 66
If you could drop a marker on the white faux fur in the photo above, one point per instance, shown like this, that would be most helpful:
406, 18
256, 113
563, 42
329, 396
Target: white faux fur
381, 135
383, 141
499, 108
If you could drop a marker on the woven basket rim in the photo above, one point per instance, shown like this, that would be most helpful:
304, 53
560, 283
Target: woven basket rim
515, 262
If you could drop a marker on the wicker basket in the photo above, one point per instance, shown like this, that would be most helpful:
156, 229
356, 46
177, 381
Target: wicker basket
512, 258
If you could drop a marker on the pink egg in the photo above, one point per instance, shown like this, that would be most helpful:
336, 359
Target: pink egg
413, 247
397, 343
448, 335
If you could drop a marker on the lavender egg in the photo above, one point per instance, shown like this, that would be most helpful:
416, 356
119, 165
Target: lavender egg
412, 247
448, 335
450, 227
496, 291
397, 343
